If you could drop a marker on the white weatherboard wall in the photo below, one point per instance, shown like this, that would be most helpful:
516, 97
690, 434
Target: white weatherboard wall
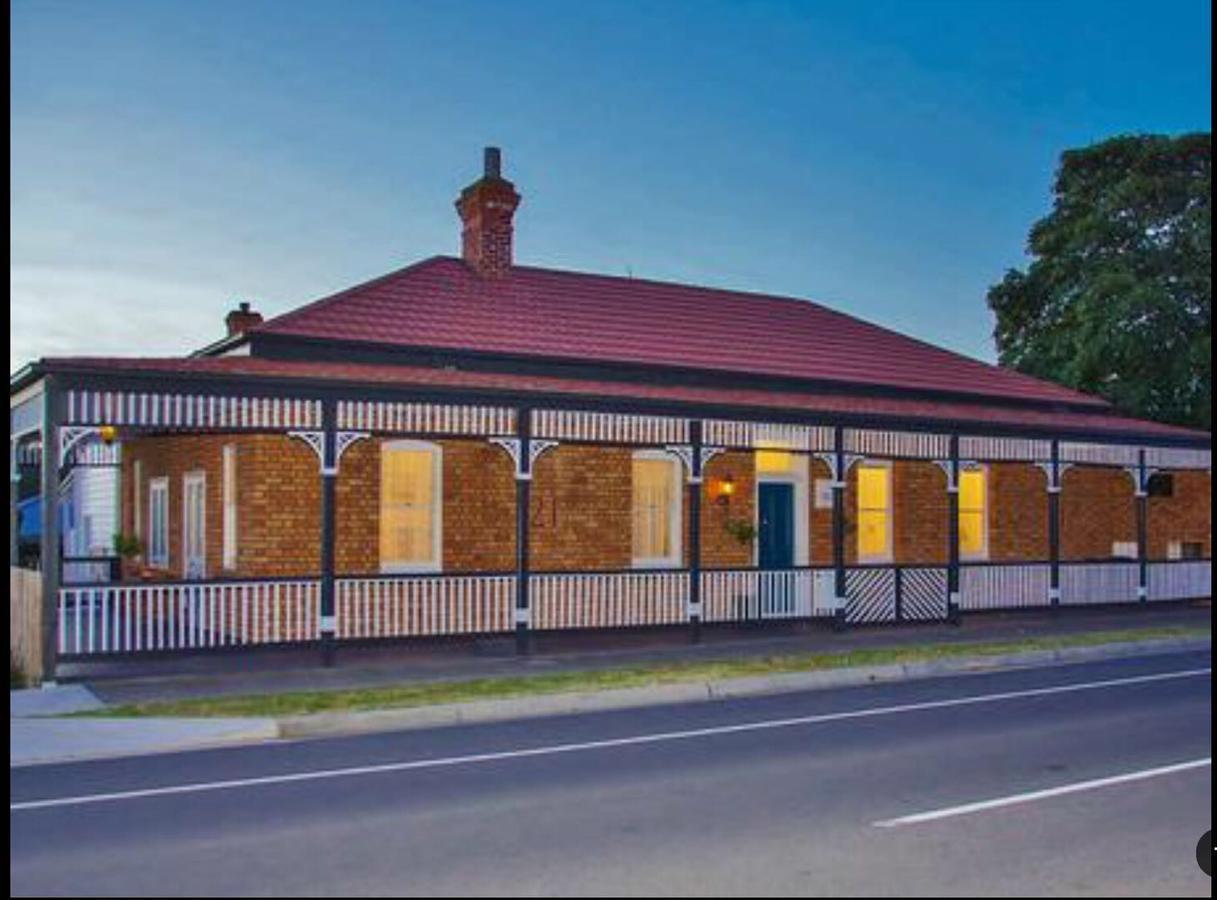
90, 520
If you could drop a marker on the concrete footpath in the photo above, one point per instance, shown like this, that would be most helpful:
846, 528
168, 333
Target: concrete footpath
38, 734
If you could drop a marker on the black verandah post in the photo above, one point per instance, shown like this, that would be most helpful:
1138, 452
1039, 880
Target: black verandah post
523, 501
953, 534
695, 477
1142, 527
838, 526
1054, 526
329, 477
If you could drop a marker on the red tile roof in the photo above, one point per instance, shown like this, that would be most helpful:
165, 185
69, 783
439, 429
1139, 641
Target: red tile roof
981, 413
440, 303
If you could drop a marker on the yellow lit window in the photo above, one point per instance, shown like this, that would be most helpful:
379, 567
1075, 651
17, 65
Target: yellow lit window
874, 512
773, 462
656, 510
409, 507
973, 513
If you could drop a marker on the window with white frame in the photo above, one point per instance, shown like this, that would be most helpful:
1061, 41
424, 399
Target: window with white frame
656, 509
874, 512
158, 522
194, 524
973, 513
229, 487
410, 507
137, 512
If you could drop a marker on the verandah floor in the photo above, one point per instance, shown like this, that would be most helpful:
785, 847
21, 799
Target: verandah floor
283, 669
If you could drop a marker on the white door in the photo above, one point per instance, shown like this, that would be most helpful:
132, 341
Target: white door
194, 525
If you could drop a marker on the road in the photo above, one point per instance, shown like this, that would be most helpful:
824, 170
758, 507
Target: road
881, 790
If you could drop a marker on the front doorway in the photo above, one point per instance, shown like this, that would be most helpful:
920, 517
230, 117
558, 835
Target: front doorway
775, 528
782, 535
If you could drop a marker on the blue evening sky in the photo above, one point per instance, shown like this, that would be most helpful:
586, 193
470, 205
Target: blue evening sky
170, 157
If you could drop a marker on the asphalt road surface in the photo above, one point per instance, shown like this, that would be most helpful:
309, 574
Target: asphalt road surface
1083, 779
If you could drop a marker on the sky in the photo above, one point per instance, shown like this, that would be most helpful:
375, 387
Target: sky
170, 158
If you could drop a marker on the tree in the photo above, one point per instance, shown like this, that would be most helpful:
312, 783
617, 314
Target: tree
1117, 299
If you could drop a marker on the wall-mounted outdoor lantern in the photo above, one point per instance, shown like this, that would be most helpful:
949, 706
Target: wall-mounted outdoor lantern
721, 489
107, 433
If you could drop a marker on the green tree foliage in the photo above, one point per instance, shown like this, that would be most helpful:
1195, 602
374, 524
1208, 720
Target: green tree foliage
1118, 297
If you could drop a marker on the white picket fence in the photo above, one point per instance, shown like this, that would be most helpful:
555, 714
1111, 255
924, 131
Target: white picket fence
149, 617
1001, 586
1103, 582
1180, 580
739, 595
424, 606
609, 600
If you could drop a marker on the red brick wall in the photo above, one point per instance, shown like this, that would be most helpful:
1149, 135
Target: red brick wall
1187, 515
580, 513
820, 519
1098, 507
720, 548
580, 516
1018, 512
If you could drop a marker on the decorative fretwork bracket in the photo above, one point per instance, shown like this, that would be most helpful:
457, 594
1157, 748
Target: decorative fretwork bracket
535, 449
343, 442
71, 436
684, 452
1140, 478
1054, 474
708, 453
316, 441
952, 470
830, 460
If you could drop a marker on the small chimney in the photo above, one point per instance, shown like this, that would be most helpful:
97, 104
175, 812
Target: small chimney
486, 209
242, 319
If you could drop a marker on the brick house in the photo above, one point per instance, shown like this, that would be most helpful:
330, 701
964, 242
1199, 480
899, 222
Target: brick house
469, 445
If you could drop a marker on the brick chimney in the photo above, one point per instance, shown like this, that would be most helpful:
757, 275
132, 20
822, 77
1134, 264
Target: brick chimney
242, 319
486, 208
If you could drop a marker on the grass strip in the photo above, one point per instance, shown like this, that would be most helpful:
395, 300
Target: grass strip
436, 692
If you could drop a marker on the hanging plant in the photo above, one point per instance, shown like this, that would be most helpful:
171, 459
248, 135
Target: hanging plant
742, 530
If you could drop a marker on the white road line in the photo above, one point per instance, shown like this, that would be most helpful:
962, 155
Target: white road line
1032, 796
408, 765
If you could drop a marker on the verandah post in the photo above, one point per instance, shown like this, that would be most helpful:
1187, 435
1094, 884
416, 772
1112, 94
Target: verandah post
838, 525
1054, 526
49, 558
329, 476
695, 480
953, 533
1142, 495
14, 485
523, 501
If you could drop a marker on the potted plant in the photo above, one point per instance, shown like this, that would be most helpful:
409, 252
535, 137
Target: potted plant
128, 549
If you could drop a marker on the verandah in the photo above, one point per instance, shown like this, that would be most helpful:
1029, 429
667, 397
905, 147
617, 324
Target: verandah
85, 619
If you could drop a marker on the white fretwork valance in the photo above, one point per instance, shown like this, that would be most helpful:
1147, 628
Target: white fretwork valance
609, 428
425, 418
752, 435
199, 411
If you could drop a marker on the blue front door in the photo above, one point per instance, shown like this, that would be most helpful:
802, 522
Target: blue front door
776, 537
775, 551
